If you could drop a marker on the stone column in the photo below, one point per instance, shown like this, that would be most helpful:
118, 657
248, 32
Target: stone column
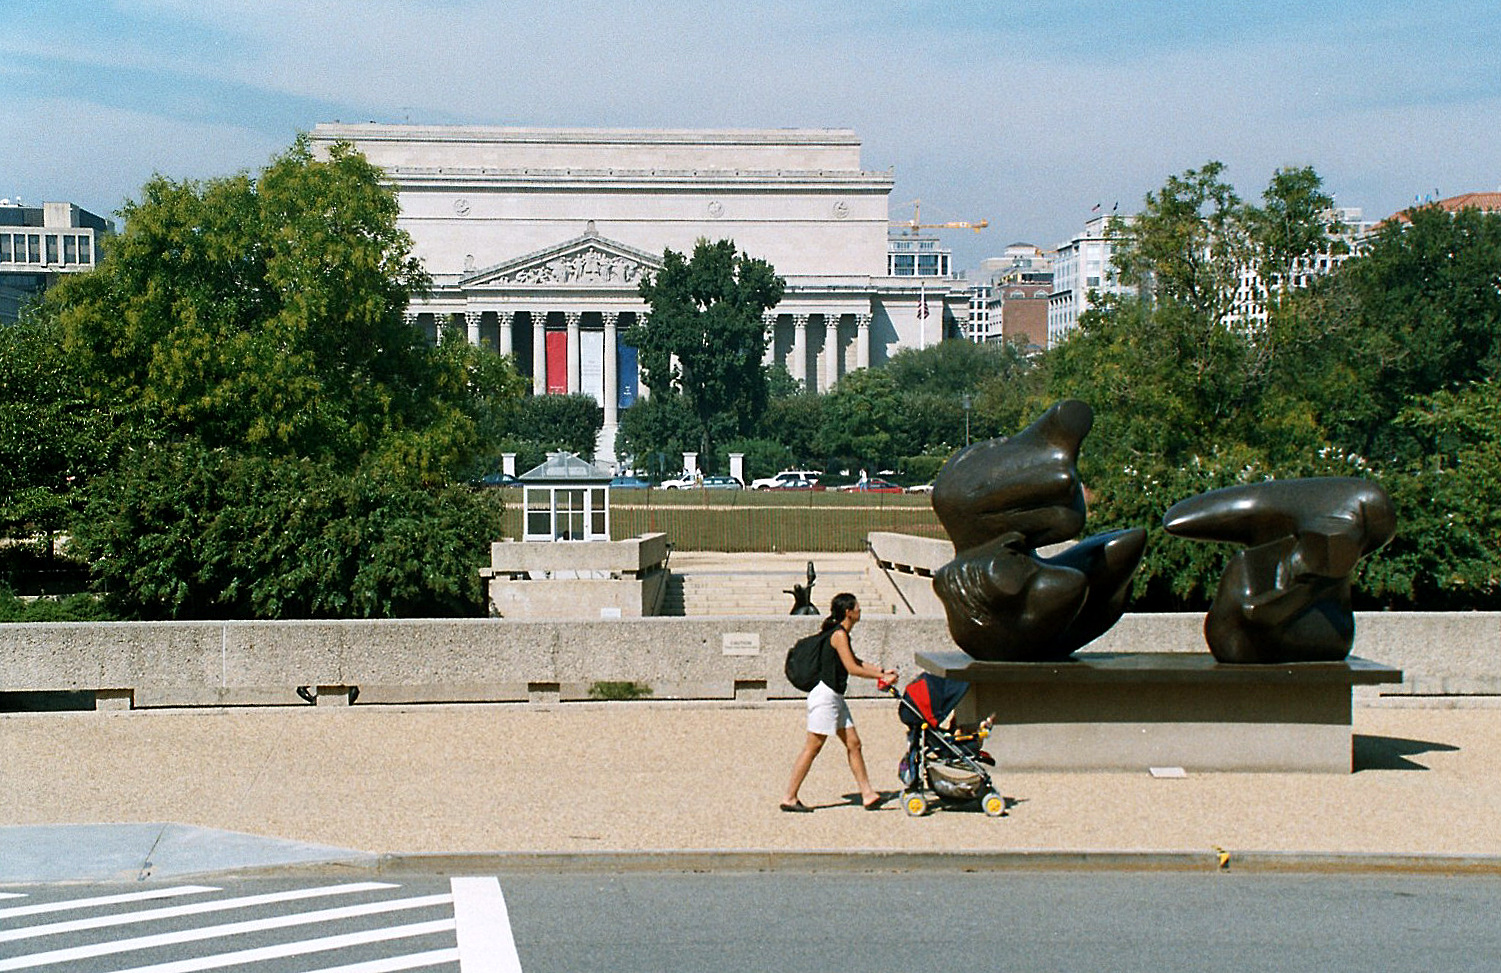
471, 326
799, 364
573, 318
539, 352
769, 324
507, 345
508, 464
737, 467
830, 351
862, 341
612, 388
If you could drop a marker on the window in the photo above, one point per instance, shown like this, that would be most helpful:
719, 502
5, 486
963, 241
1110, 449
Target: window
538, 513
902, 265
50, 241
1091, 282
33, 249
4, 246
70, 250
599, 525
83, 250
927, 265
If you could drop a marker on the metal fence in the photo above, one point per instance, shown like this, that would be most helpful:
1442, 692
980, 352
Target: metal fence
736, 521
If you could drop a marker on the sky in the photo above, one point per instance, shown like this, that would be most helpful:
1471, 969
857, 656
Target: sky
1023, 114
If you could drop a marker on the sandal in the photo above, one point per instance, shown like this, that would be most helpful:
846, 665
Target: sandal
797, 807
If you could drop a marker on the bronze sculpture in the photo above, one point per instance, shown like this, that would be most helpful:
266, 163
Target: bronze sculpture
1000, 500
1285, 597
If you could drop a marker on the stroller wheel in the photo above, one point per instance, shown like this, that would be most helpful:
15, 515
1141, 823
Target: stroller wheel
916, 804
993, 804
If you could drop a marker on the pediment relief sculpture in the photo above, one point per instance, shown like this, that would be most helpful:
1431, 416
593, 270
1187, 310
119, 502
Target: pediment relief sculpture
591, 261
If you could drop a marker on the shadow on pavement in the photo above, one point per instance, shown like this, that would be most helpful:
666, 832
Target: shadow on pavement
1391, 753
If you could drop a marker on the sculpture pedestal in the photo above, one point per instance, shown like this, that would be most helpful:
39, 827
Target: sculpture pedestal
1102, 711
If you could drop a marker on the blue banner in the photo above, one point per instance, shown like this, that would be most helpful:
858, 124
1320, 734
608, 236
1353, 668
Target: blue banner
626, 370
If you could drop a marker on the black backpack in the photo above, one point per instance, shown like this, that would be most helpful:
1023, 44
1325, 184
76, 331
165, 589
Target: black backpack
805, 659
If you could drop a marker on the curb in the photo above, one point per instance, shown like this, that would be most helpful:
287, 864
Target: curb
839, 861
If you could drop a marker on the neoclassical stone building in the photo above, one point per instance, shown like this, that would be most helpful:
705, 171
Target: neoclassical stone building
537, 238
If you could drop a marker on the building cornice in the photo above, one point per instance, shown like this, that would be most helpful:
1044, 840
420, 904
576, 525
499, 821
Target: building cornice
377, 132
450, 179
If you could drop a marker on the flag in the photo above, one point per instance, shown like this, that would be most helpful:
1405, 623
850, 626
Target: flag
1116, 207
922, 303
1095, 208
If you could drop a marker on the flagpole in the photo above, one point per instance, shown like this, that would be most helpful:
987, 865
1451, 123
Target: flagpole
922, 315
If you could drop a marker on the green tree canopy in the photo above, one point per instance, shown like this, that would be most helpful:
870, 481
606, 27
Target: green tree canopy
704, 337
267, 313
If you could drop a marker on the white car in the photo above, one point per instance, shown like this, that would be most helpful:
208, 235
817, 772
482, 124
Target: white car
785, 477
687, 481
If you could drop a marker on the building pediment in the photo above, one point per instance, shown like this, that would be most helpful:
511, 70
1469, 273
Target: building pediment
586, 261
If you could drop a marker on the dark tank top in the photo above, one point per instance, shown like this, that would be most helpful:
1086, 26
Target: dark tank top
834, 674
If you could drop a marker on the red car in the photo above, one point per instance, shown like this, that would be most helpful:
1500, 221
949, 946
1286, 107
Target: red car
873, 485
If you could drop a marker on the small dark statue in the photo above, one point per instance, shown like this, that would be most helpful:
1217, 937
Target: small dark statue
1286, 596
1000, 500
802, 596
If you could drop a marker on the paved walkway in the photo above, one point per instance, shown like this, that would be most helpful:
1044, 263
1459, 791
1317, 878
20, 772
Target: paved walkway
683, 777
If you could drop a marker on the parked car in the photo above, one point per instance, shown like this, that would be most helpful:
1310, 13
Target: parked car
800, 484
497, 479
630, 483
775, 482
873, 485
684, 482
921, 488
721, 483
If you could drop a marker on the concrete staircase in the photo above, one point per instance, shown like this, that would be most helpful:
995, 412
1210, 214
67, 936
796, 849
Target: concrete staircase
755, 584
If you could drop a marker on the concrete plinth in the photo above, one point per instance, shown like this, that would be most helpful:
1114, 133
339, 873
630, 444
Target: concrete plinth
1102, 711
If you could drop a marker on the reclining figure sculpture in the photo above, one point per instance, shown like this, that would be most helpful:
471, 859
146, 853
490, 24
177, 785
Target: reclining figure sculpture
1285, 597
1000, 500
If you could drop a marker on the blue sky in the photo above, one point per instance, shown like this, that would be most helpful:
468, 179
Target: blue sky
1023, 114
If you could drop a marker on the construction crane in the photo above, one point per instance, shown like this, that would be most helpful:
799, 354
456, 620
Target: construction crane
916, 222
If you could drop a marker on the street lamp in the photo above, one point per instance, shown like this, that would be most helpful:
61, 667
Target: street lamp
965, 401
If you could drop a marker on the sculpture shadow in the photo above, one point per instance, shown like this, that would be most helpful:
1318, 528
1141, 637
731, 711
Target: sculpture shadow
1391, 753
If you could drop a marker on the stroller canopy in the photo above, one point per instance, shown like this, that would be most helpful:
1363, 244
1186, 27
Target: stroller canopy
931, 698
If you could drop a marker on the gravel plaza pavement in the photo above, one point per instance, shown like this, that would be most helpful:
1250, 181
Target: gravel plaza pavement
676, 777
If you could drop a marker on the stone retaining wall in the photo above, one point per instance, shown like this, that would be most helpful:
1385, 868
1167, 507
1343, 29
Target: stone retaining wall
149, 664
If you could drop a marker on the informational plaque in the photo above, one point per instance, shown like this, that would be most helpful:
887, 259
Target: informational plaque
742, 643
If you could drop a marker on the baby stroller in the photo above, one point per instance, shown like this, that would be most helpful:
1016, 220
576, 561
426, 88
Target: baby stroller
950, 762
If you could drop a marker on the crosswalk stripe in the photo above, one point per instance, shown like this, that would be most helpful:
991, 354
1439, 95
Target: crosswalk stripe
394, 963
486, 943
213, 932
100, 900
12, 895
283, 950
177, 911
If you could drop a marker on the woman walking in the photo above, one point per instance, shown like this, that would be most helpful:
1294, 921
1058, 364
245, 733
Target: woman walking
829, 713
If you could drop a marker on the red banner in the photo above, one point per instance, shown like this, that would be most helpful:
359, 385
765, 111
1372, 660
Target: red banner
557, 363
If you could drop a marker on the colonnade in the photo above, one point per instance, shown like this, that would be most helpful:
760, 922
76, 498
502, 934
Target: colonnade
816, 364
832, 348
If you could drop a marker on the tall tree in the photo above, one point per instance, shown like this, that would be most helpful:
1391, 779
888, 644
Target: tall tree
1188, 244
263, 313
1295, 222
704, 338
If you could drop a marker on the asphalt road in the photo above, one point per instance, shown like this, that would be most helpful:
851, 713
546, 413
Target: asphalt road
785, 921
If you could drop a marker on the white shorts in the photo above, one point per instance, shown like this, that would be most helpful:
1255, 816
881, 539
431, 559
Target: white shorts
827, 711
